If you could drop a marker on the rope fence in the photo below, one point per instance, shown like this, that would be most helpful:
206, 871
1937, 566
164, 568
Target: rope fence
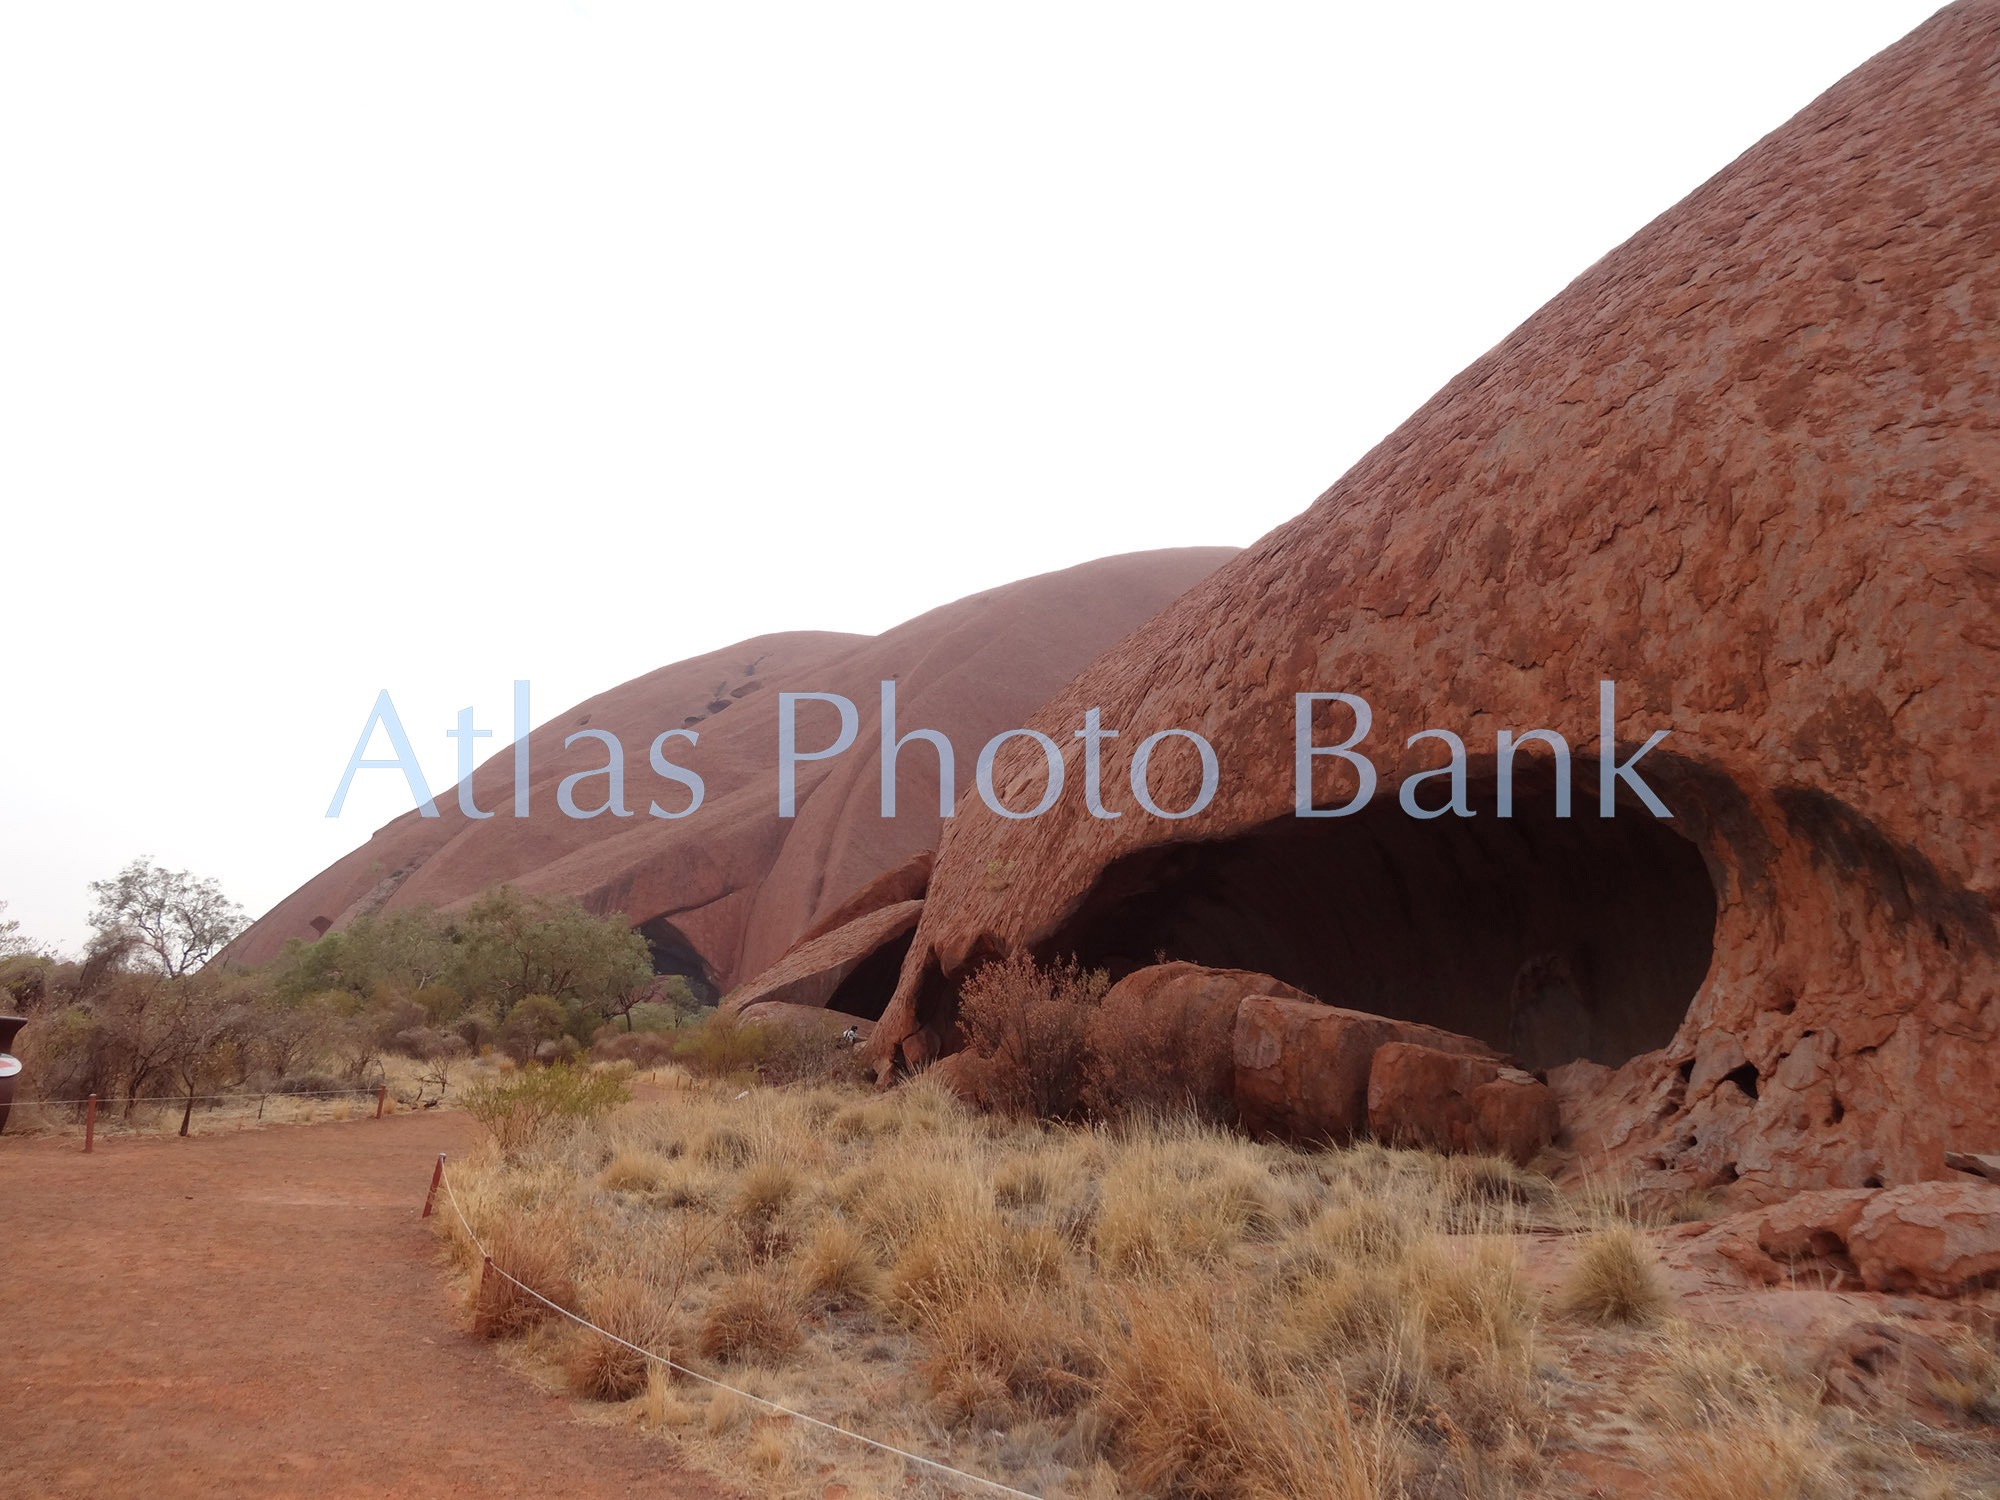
364, 1091
488, 1268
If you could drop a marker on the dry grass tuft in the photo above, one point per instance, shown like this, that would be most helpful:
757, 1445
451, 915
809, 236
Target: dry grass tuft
633, 1171
1001, 1356
751, 1320
1739, 1421
722, 1146
635, 1308
837, 1268
1194, 1411
1616, 1280
537, 1251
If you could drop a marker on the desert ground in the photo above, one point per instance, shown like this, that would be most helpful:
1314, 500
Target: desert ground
1157, 1308
261, 1314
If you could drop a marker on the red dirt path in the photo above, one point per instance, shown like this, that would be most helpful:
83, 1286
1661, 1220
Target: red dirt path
263, 1314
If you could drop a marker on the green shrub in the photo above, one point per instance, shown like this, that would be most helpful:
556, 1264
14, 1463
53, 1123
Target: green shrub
519, 1107
722, 1045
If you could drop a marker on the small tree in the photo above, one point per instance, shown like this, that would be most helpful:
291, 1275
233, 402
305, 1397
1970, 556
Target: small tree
536, 1019
511, 946
174, 920
12, 944
200, 1026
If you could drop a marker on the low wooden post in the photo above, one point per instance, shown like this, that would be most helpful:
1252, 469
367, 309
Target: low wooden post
437, 1174
90, 1125
381, 1093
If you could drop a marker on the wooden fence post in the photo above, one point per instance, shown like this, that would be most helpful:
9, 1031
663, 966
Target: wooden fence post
90, 1125
436, 1173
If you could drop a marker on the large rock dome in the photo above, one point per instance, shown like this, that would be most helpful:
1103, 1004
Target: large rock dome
723, 893
1745, 466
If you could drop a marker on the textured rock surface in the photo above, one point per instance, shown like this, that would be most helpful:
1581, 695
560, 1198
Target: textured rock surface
813, 971
1744, 466
1302, 1068
907, 882
1164, 1035
1938, 1238
734, 886
1456, 1101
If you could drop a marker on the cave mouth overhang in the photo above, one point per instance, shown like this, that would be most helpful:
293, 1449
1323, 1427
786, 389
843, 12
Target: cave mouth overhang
1550, 938
673, 952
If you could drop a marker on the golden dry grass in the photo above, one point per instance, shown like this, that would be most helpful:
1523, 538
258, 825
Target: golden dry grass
1160, 1309
1025, 1296
1616, 1279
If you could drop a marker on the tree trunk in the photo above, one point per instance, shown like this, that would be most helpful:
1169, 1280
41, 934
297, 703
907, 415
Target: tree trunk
188, 1113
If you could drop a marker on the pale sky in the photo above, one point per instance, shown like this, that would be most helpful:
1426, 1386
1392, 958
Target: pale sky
423, 347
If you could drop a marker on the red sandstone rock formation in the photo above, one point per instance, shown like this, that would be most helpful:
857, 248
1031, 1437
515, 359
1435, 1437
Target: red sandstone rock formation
1939, 1238
1450, 1101
728, 890
813, 971
1745, 466
1303, 1069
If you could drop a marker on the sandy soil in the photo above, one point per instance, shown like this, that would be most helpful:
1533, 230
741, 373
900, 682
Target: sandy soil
262, 1314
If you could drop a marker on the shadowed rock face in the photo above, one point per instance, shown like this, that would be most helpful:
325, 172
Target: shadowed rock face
722, 894
1745, 466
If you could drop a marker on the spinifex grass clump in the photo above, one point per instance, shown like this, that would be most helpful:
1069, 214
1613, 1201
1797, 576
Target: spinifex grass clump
1160, 1307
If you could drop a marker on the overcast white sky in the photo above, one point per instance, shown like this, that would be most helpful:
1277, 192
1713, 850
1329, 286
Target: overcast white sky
428, 346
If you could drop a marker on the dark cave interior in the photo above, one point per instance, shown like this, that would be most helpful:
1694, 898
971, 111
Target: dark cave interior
1550, 938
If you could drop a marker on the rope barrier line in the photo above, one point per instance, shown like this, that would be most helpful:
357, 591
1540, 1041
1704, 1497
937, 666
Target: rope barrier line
932, 1463
108, 1100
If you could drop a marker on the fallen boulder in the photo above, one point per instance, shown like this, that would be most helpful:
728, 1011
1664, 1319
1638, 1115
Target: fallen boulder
1458, 1101
1301, 1069
1163, 1036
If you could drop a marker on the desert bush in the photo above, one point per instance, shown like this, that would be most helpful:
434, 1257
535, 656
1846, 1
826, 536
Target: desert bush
517, 1109
1166, 1059
534, 1019
808, 1055
1616, 1279
1030, 1026
722, 1046
440, 1003
642, 1049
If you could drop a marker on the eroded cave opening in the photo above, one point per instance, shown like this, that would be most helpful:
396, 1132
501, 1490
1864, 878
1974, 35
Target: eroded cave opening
672, 953
1551, 938
867, 991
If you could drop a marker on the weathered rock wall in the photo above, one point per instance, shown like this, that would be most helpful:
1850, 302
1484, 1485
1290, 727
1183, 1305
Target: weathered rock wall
1746, 467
